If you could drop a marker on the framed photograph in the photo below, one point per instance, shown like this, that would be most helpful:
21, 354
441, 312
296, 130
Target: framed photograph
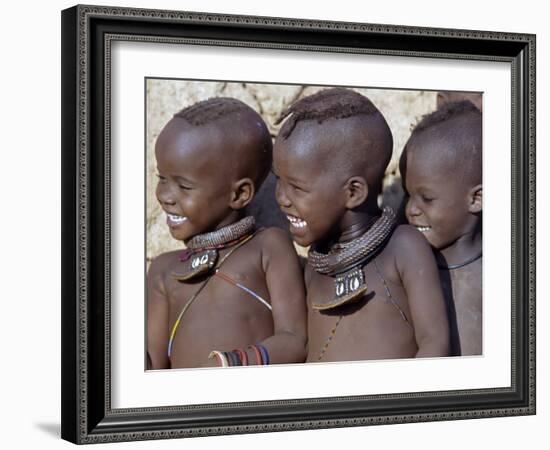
127, 72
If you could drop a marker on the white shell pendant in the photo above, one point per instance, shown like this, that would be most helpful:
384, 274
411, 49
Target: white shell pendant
196, 265
349, 286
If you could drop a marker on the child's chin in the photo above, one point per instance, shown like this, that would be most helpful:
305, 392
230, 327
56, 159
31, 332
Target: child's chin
433, 242
178, 235
302, 241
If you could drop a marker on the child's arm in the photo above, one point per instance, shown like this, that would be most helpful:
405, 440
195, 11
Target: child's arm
285, 282
157, 317
418, 270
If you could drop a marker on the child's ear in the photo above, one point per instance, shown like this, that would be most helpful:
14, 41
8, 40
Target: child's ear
242, 193
357, 191
475, 199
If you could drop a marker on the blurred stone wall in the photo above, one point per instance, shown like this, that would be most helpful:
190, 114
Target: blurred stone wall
402, 109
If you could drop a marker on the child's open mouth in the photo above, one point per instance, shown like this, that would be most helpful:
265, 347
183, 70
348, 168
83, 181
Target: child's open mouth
174, 220
296, 222
422, 229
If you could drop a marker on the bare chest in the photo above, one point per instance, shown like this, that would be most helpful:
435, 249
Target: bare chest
226, 310
375, 326
232, 291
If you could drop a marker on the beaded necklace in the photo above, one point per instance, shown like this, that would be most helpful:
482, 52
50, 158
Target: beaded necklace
224, 235
459, 265
344, 261
201, 254
343, 255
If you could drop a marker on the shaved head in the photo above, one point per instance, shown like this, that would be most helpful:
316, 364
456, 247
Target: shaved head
450, 139
344, 128
237, 136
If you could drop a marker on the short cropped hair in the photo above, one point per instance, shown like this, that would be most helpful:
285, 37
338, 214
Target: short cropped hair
446, 112
459, 124
217, 108
211, 109
373, 156
336, 103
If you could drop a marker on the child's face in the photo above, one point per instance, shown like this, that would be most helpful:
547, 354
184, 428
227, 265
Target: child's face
438, 200
192, 189
308, 191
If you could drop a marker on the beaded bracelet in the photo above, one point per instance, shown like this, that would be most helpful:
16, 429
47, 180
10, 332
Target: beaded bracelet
243, 356
237, 357
257, 353
265, 354
234, 358
221, 357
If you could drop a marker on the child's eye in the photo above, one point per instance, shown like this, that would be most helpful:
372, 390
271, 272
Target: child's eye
426, 199
183, 187
160, 177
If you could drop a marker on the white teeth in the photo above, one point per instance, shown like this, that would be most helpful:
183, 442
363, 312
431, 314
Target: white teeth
423, 229
298, 223
176, 219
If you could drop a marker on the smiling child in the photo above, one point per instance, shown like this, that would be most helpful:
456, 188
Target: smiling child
235, 295
373, 289
441, 170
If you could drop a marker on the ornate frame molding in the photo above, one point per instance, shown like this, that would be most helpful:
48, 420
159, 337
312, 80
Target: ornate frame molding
88, 31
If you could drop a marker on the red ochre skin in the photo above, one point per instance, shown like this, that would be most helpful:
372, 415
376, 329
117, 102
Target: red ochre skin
445, 202
205, 176
326, 178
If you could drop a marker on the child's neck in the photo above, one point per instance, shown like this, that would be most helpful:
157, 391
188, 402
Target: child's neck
464, 249
356, 223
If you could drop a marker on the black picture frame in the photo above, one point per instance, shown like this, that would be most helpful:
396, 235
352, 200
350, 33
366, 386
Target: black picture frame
87, 415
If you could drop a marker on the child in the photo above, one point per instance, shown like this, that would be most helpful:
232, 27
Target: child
373, 290
235, 296
441, 170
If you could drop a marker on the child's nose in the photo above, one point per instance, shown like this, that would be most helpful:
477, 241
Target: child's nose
280, 195
412, 209
165, 195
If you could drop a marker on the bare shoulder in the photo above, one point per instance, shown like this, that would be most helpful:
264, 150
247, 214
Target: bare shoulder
274, 239
274, 235
277, 250
163, 263
406, 237
408, 245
